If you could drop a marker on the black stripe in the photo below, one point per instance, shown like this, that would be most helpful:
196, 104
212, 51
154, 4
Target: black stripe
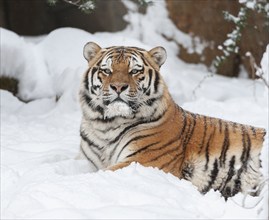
174, 160
207, 148
184, 121
142, 58
89, 158
132, 126
134, 55
99, 109
105, 121
109, 53
226, 191
231, 171
137, 48
164, 153
220, 125
94, 69
207, 151
204, 135
211, 121
149, 84
237, 181
111, 128
148, 92
246, 145
213, 176
93, 150
189, 133
207, 154
87, 99
188, 136
187, 171
242, 158
143, 149
89, 142
99, 78
109, 48
100, 61
109, 57
234, 126
156, 81
237, 186
150, 102
86, 80
162, 147
225, 146
132, 140
253, 131
92, 91
141, 79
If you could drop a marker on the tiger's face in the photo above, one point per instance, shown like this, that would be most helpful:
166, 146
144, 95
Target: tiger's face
122, 81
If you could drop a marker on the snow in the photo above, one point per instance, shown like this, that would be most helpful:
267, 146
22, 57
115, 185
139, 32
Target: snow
40, 179
264, 65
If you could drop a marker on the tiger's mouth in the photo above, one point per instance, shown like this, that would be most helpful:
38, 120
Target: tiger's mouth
118, 107
118, 99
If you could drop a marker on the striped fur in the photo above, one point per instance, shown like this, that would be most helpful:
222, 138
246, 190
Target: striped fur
129, 115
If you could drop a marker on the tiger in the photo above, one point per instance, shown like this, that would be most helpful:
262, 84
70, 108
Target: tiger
128, 115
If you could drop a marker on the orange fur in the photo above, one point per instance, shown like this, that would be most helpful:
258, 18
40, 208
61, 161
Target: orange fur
210, 152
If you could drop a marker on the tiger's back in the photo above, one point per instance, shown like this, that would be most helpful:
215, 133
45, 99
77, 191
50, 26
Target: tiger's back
209, 152
224, 155
129, 116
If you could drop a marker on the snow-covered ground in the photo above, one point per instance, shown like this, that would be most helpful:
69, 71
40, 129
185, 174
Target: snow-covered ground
39, 139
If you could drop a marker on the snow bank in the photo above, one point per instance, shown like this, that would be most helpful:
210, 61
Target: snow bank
265, 64
22, 61
39, 140
41, 180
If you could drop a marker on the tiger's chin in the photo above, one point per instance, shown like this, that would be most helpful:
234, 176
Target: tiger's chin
118, 109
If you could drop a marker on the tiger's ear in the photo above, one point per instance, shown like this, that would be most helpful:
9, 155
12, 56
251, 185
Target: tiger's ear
90, 50
159, 55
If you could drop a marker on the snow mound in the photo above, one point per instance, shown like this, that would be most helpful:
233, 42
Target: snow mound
41, 180
22, 61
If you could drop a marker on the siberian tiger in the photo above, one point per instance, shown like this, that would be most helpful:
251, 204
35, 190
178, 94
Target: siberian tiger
129, 116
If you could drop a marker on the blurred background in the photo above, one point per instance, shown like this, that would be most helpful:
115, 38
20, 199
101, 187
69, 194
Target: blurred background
201, 19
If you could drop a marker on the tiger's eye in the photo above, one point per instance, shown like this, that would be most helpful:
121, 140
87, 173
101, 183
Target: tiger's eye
107, 71
134, 71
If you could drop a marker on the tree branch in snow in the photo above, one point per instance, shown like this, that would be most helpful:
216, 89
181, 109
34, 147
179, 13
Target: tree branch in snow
258, 188
230, 45
199, 85
256, 71
87, 6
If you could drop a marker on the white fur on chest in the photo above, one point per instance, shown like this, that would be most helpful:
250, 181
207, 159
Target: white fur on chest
117, 109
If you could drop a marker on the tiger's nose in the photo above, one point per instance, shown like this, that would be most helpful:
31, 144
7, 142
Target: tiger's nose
119, 87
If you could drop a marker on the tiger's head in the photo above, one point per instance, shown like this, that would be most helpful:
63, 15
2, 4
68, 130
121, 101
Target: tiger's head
122, 81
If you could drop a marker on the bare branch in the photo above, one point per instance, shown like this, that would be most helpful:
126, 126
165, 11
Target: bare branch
76, 3
200, 83
256, 71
